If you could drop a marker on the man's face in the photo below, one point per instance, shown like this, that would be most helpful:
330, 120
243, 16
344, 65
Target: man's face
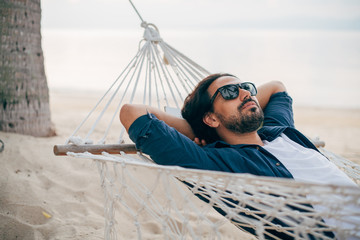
241, 114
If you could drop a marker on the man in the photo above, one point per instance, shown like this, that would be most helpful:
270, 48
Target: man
247, 130
231, 129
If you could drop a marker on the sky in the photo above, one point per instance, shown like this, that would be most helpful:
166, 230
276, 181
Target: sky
307, 44
200, 14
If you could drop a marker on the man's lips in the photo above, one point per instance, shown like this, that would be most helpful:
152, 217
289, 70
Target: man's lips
249, 104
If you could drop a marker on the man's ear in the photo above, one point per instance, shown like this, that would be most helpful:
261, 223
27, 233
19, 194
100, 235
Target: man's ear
211, 120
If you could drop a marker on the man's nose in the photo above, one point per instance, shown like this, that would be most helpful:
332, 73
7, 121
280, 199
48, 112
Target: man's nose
243, 94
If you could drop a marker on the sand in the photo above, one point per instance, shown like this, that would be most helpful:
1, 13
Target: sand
47, 197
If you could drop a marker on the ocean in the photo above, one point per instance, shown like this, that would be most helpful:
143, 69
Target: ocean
319, 68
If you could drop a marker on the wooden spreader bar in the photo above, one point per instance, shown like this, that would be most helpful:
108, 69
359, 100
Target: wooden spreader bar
61, 150
318, 143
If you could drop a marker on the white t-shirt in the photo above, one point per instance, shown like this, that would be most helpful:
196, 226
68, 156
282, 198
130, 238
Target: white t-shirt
306, 164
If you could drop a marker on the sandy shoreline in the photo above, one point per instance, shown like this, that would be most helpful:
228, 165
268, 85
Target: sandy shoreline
48, 197
339, 128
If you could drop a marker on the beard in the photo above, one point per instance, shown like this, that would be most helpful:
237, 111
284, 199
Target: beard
243, 122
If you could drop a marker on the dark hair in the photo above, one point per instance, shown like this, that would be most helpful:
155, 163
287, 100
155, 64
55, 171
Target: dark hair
197, 104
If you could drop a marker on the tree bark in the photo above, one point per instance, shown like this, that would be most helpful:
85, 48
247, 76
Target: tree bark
24, 93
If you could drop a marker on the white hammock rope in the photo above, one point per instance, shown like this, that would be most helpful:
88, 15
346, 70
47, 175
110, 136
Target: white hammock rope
146, 71
168, 199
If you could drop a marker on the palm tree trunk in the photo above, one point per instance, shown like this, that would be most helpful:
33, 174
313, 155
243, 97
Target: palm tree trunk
24, 93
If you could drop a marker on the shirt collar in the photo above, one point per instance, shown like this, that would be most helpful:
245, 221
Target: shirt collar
268, 133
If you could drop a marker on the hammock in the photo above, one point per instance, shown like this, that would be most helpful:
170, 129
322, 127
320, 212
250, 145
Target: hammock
185, 203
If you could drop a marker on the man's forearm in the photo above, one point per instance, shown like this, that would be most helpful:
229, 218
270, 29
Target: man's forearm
266, 90
130, 112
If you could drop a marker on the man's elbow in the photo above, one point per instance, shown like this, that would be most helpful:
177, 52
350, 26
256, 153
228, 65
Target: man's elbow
130, 112
278, 87
125, 113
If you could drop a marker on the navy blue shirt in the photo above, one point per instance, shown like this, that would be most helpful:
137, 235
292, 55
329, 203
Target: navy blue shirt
167, 146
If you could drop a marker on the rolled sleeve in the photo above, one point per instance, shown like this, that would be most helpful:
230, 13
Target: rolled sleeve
139, 131
164, 144
279, 111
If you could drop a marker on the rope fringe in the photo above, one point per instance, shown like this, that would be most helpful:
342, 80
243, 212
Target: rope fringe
174, 197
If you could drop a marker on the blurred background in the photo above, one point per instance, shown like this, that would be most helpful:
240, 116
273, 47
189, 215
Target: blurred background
312, 46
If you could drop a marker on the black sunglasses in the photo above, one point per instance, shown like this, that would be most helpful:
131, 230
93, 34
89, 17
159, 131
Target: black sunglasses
231, 91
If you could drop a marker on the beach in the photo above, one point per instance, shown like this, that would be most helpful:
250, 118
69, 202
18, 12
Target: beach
43, 196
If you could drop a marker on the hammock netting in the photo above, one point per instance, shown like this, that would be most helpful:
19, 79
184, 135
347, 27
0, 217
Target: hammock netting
175, 203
